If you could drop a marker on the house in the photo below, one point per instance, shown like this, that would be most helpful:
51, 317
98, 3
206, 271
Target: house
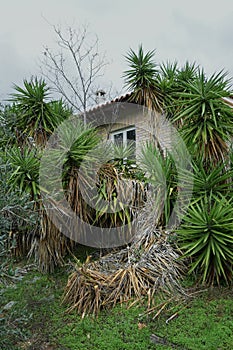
124, 122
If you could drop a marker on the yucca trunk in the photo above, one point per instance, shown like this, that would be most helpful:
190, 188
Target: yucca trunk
50, 246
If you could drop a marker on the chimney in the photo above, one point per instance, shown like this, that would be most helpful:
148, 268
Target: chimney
100, 96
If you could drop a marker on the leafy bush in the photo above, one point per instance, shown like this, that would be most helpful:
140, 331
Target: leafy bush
17, 215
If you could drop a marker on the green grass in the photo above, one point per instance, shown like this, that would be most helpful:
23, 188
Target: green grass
206, 323
116, 329
38, 321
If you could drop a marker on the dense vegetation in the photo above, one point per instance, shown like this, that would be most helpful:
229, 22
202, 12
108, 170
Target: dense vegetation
196, 106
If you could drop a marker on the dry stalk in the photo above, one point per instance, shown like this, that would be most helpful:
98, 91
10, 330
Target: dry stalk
153, 268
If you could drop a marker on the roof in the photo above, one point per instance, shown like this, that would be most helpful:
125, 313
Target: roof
111, 111
108, 112
229, 100
122, 98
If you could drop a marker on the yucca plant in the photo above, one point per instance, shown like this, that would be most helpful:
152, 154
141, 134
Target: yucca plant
206, 237
172, 80
59, 110
187, 73
203, 181
124, 159
205, 117
25, 170
141, 80
161, 175
76, 141
44, 241
106, 206
167, 79
36, 116
80, 143
77, 146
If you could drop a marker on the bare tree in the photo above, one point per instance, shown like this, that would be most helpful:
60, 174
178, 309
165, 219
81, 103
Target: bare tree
74, 69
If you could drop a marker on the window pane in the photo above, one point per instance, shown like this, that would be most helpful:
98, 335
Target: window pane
118, 139
131, 138
131, 135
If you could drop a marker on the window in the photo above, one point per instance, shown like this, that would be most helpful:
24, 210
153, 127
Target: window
125, 137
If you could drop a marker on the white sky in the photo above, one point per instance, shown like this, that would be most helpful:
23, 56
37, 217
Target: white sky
180, 30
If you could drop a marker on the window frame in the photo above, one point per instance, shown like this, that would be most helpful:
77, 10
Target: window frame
122, 131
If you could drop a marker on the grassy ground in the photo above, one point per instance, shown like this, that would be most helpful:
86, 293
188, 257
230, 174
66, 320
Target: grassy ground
32, 317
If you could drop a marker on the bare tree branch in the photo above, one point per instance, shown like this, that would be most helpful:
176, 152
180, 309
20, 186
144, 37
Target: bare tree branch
75, 68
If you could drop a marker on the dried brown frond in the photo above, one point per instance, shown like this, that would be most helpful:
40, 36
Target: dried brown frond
135, 273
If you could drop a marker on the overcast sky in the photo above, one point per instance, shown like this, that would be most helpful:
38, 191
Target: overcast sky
200, 31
